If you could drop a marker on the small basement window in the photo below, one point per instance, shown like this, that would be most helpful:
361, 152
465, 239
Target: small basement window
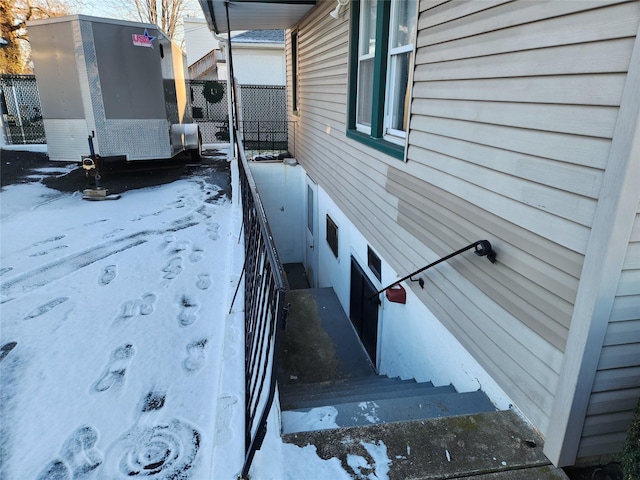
374, 263
332, 235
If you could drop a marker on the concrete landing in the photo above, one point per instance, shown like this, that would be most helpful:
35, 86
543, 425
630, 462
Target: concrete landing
495, 445
319, 344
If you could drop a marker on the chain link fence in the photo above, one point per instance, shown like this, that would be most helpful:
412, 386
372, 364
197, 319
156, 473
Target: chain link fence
20, 110
263, 118
210, 109
263, 115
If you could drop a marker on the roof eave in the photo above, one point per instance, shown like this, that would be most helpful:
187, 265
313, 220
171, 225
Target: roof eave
254, 14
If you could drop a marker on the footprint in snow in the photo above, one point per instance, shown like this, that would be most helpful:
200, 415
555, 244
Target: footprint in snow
173, 268
128, 310
108, 274
196, 255
78, 457
131, 308
214, 231
116, 369
224, 413
6, 348
79, 451
179, 247
188, 313
147, 305
42, 309
196, 356
154, 400
204, 281
56, 470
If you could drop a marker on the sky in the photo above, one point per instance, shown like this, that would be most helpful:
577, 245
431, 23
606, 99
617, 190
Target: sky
121, 351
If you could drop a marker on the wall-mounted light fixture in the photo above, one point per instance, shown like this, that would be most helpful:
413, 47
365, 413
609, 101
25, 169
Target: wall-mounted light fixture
339, 10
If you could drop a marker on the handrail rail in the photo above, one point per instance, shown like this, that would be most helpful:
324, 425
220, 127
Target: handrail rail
265, 311
265, 285
482, 248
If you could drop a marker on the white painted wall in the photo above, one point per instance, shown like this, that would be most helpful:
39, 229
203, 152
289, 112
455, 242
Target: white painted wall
412, 343
281, 188
259, 64
198, 39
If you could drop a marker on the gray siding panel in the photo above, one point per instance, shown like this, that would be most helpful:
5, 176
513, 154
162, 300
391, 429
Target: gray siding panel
616, 387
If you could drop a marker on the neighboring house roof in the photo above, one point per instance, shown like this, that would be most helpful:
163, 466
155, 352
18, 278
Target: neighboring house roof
259, 36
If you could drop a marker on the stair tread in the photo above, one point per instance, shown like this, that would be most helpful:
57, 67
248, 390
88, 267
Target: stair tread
398, 409
314, 398
344, 386
366, 380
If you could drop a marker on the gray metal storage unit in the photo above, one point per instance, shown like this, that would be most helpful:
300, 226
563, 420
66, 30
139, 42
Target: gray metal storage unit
122, 83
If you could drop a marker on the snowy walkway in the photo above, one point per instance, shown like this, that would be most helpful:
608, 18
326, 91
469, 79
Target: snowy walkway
113, 328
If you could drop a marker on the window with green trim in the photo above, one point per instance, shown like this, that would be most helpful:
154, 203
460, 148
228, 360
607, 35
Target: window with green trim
382, 48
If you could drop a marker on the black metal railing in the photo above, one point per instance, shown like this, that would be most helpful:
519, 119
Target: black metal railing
265, 311
270, 136
481, 248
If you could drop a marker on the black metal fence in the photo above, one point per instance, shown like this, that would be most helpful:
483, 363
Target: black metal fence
265, 312
20, 109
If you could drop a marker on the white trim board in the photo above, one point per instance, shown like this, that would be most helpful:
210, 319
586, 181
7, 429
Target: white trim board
603, 263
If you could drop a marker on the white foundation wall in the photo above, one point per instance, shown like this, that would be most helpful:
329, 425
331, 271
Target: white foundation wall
412, 343
280, 187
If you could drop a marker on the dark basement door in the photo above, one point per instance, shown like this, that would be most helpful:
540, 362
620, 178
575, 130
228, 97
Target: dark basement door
364, 312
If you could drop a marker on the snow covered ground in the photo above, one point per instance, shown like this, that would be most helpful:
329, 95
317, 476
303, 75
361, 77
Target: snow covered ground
119, 357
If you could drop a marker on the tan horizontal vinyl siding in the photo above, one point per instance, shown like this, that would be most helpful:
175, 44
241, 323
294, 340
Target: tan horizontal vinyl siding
353, 174
514, 107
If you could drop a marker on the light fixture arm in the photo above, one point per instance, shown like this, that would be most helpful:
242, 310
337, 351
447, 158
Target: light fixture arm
340, 9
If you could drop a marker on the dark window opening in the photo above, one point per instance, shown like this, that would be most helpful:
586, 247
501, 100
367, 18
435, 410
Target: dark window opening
332, 235
374, 263
294, 71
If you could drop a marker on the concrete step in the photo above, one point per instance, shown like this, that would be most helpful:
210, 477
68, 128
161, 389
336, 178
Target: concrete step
318, 397
493, 445
338, 414
293, 388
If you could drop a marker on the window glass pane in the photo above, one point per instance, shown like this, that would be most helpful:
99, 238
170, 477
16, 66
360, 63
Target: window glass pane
399, 101
310, 209
367, 27
365, 92
403, 22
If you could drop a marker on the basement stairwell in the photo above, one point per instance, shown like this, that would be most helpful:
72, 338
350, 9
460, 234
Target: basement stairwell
332, 398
